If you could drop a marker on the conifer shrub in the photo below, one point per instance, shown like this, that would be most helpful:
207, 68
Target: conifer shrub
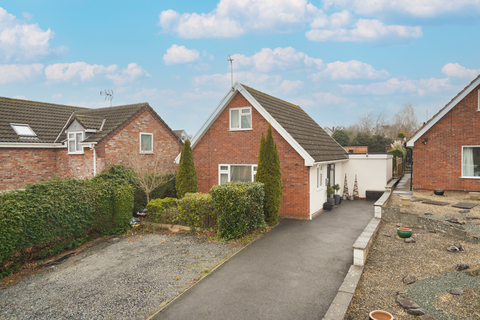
239, 208
186, 178
269, 173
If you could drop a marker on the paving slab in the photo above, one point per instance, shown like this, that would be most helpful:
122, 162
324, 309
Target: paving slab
465, 205
293, 272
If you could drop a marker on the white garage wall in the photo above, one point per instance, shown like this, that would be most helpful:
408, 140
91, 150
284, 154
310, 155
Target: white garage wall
317, 195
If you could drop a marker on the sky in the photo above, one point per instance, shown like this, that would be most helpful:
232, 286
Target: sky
337, 59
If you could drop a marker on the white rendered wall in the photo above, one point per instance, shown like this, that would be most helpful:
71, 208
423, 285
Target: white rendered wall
317, 195
373, 172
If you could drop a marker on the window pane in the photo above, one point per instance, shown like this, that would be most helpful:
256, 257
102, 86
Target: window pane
471, 162
24, 130
318, 177
146, 142
78, 140
223, 168
71, 145
246, 122
223, 178
241, 173
245, 110
234, 123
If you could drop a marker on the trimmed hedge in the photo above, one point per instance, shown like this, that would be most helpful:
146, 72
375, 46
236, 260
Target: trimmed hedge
239, 207
51, 216
196, 209
156, 210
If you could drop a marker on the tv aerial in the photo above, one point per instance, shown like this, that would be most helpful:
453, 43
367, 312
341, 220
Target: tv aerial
108, 95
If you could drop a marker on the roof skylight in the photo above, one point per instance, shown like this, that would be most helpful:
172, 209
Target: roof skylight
23, 130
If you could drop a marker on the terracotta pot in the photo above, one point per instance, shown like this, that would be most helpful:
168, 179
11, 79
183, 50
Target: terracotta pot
406, 202
474, 195
404, 232
380, 315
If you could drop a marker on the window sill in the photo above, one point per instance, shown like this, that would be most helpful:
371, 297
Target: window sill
73, 153
475, 178
249, 129
151, 152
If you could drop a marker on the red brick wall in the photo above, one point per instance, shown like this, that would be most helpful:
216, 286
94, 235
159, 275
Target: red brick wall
438, 164
19, 166
356, 149
219, 145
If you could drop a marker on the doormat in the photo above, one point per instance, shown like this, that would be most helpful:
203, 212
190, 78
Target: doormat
465, 205
438, 203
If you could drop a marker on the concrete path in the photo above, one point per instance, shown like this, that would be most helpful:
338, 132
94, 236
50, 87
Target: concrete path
293, 272
403, 187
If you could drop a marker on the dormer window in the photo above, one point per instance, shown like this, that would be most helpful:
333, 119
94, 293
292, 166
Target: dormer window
23, 130
74, 139
241, 118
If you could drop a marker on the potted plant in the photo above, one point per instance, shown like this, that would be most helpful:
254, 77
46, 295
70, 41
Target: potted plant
330, 198
337, 196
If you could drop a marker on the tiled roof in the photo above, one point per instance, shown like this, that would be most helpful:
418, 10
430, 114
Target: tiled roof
48, 120
308, 134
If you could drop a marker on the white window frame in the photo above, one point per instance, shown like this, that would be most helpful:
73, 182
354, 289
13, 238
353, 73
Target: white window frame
75, 133
240, 119
463, 176
140, 143
220, 171
16, 127
319, 174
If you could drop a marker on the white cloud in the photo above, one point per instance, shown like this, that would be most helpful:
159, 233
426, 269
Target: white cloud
336, 20
394, 85
328, 98
145, 93
179, 54
349, 70
456, 70
365, 30
21, 41
67, 71
130, 74
19, 72
232, 18
277, 59
416, 8
20, 97
288, 86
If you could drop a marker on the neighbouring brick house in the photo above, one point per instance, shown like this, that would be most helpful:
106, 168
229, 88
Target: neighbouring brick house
226, 148
446, 150
43, 140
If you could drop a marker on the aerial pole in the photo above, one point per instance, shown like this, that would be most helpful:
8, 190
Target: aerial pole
108, 95
231, 67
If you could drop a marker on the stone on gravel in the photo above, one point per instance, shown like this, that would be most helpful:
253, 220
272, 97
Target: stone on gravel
464, 211
426, 317
474, 273
461, 267
457, 247
416, 312
387, 235
409, 279
456, 291
409, 240
408, 304
428, 213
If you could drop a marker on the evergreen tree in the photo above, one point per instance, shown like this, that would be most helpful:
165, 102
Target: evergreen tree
186, 179
269, 173
341, 136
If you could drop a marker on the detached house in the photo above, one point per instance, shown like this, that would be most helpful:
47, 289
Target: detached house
227, 145
446, 150
43, 140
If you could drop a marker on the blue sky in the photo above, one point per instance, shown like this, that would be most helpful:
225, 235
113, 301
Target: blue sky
337, 59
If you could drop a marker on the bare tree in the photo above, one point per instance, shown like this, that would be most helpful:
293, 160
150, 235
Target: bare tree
405, 120
151, 170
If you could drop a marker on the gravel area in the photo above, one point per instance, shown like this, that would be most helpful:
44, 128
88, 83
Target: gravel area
391, 259
120, 278
443, 212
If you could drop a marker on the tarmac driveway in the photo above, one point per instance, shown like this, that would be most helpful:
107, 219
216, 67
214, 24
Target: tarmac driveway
293, 272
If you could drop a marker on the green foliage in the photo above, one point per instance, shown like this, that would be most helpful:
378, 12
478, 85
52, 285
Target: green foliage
156, 206
116, 172
186, 180
330, 190
361, 139
378, 143
269, 173
157, 211
398, 150
401, 135
196, 210
165, 190
239, 208
336, 188
113, 205
341, 136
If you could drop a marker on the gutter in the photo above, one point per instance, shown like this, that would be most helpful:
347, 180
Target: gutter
31, 145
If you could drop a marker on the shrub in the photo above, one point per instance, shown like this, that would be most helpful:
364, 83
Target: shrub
196, 210
186, 180
156, 210
239, 208
269, 173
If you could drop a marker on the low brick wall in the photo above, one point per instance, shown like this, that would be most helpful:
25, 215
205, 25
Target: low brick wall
393, 214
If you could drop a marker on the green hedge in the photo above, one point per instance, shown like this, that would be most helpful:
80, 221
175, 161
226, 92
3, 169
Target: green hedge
239, 206
51, 216
196, 209
156, 211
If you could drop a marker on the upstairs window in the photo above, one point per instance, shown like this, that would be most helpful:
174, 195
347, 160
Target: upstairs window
23, 130
146, 142
241, 118
74, 139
